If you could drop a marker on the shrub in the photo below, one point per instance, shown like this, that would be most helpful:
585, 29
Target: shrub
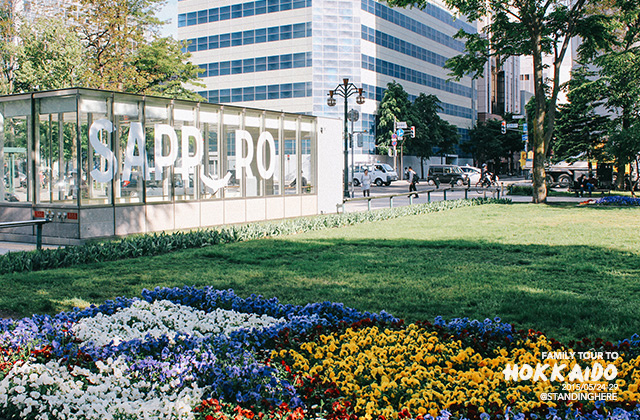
160, 243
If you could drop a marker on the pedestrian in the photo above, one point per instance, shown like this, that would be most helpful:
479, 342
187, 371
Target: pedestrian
366, 184
413, 180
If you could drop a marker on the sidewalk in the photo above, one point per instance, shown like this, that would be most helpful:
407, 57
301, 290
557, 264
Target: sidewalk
6, 247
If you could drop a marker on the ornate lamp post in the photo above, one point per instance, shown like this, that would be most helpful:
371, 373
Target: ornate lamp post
346, 90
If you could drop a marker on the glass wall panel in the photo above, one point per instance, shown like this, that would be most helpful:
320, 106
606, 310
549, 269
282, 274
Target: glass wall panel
14, 143
159, 187
272, 126
308, 156
231, 123
254, 186
57, 166
189, 153
212, 165
292, 186
130, 150
97, 156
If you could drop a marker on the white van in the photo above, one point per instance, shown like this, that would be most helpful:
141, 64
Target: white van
381, 174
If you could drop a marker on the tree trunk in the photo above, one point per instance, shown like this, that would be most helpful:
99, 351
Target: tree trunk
539, 194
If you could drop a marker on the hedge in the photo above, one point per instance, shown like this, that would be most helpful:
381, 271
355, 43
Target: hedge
160, 243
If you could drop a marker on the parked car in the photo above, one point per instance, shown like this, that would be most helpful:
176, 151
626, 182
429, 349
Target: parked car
446, 174
472, 173
381, 174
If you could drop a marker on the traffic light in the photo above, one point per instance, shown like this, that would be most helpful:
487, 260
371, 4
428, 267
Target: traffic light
413, 131
504, 127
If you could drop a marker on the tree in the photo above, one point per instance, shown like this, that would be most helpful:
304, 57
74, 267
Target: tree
395, 106
433, 134
581, 130
123, 52
166, 70
527, 27
487, 144
8, 46
49, 56
620, 75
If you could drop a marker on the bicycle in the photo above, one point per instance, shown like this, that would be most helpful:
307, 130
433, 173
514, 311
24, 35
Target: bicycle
487, 182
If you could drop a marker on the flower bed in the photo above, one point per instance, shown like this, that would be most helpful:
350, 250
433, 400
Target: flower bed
206, 354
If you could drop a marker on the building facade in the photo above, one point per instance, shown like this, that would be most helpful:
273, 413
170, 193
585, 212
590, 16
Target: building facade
103, 164
288, 54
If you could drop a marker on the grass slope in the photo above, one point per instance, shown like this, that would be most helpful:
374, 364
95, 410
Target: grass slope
571, 272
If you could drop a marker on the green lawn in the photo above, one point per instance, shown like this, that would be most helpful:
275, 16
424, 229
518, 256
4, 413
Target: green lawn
568, 271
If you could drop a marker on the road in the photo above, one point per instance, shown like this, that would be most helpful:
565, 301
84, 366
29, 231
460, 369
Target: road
401, 187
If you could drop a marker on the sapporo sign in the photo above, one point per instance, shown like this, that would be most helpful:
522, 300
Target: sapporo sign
164, 157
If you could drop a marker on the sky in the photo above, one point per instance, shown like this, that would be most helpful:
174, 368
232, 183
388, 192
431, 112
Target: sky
170, 13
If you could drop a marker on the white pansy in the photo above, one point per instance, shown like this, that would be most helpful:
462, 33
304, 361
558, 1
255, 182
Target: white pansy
72, 393
164, 318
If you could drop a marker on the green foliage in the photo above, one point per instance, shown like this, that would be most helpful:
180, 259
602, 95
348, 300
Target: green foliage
163, 63
488, 144
395, 106
533, 28
161, 243
49, 57
433, 134
580, 129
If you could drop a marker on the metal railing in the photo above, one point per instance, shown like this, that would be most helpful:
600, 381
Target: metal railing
36, 222
495, 192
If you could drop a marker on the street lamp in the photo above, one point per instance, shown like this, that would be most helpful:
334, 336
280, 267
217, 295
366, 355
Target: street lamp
346, 90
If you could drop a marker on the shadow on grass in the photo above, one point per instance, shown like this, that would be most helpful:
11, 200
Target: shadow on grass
569, 292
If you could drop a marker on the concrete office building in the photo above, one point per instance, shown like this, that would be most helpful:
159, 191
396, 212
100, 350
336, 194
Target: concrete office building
288, 54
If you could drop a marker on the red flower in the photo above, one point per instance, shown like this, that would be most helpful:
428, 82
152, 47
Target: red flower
209, 417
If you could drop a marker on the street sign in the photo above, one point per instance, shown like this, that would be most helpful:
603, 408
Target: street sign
512, 125
353, 115
400, 132
517, 117
525, 127
394, 143
401, 124
525, 137
394, 136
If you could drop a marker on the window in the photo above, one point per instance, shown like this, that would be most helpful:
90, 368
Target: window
260, 93
225, 68
274, 34
261, 35
214, 15
286, 61
274, 62
247, 65
225, 40
236, 39
213, 42
225, 13
248, 94
261, 63
247, 37
273, 92
236, 67
236, 11
285, 32
203, 16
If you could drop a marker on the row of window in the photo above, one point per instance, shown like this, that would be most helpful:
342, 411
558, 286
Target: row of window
376, 93
430, 9
258, 64
255, 36
404, 47
404, 73
397, 18
258, 93
236, 11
